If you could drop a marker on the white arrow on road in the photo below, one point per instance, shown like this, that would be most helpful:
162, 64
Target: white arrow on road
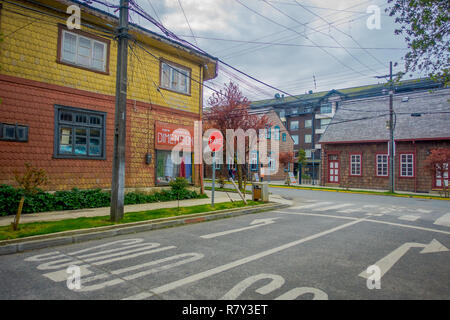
387, 262
254, 224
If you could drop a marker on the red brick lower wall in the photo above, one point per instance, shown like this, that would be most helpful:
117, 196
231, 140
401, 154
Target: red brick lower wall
421, 182
32, 104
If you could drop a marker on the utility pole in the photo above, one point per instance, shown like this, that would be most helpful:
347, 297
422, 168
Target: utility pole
391, 129
118, 173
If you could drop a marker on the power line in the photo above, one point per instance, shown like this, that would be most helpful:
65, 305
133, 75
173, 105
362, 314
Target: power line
295, 31
348, 35
189, 25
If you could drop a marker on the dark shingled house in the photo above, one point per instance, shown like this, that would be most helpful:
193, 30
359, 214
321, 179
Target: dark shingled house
355, 143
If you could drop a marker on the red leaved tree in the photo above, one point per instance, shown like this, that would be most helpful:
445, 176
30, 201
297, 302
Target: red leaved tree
285, 159
229, 109
437, 163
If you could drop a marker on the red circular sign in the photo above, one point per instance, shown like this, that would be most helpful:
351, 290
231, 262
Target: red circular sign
215, 141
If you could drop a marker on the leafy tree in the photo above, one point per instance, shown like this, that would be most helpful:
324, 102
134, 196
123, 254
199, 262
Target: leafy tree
425, 25
285, 159
229, 109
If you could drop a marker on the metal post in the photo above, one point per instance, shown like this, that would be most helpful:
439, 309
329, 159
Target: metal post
391, 131
118, 173
213, 178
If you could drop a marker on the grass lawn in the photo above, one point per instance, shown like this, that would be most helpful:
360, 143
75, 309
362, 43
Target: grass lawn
39, 228
226, 190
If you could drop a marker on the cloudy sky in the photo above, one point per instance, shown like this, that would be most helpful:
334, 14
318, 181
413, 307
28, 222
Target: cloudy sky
293, 45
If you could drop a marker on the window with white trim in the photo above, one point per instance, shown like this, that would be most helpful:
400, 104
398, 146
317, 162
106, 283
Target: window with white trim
407, 165
355, 164
254, 160
175, 78
382, 165
308, 123
276, 133
83, 51
294, 125
295, 138
308, 138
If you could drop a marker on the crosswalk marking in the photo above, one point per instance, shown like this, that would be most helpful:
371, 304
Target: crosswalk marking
409, 217
336, 206
372, 210
444, 220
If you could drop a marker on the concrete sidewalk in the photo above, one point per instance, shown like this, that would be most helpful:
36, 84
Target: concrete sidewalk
105, 211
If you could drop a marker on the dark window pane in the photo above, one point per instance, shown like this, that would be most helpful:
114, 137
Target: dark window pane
66, 116
80, 132
9, 132
95, 120
95, 133
81, 118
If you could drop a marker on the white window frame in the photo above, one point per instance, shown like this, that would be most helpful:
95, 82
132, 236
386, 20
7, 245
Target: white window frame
175, 75
291, 127
310, 138
408, 165
76, 53
383, 164
355, 163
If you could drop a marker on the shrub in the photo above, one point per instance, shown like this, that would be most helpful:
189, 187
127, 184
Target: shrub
79, 199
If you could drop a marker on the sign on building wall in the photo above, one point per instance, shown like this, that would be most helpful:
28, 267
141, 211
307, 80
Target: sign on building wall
168, 135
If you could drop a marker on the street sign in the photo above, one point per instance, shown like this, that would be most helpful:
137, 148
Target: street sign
292, 178
215, 141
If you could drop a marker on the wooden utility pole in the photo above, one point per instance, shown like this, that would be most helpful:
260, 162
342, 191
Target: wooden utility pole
118, 173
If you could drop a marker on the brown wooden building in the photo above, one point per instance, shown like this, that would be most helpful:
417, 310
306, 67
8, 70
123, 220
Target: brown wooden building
355, 144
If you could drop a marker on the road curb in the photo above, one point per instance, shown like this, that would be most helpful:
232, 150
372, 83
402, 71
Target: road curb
76, 236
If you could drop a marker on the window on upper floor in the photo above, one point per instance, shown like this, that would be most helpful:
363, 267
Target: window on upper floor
282, 113
175, 78
294, 125
326, 108
308, 123
82, 50
276, 133
308, 138
295, 138
283, 137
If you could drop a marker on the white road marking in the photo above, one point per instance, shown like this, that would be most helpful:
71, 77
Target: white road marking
276, 282
336, 206
409, 217
388, 261
366, 220
254, 224
444, 220
307, 206
349, 210
205, 274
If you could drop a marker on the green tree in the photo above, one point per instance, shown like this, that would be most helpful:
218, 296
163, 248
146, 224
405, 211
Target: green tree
301, 163
425, 25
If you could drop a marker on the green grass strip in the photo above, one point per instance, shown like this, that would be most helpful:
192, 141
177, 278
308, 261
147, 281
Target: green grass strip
47, 227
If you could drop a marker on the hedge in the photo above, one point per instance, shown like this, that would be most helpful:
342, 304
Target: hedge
80, 199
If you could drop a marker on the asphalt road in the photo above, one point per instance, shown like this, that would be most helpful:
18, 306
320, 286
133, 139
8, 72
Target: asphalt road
320, 248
